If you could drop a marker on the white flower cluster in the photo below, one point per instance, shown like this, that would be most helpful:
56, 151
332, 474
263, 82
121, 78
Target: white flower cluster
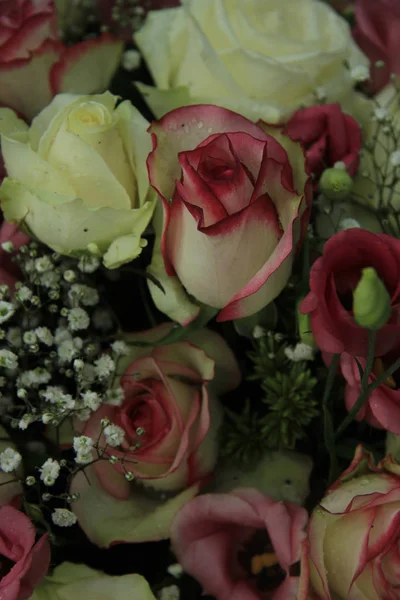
114, 435
83, 446
10, 460
49, 471
63, 517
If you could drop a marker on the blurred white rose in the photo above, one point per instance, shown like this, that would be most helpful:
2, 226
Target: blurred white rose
262, 58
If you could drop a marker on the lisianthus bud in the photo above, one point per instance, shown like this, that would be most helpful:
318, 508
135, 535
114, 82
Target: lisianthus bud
371, 301
336, 183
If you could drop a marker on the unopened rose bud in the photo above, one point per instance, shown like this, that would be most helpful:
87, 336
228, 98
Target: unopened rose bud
336, 184
371, 301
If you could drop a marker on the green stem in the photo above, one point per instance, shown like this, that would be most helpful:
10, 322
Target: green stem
370, 359
365, 395
329, 432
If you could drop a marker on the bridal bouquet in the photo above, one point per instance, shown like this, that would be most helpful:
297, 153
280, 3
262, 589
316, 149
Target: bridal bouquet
200, 300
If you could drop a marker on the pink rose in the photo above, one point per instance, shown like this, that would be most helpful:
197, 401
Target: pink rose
328, 135
235, 198
169, 417
354, 535
243, 546
382, 409
9, 274
377, 34
35, 65
333, 279
23, 563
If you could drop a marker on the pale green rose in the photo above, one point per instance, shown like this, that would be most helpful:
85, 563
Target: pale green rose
77, 179
79, 582
261, 58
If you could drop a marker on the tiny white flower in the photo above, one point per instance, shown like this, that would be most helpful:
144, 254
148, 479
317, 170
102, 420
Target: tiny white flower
91, 400
115, 396
84, 414
258, 332
114, 435
104, 366
50, 279
47, 418
67, 350
348, 223
78, 319
29, 338
45, 336
169, 593
25, 421
24, 294
63, 517
10, 460
176, 570
130, 60
380, 114
6, 311
320, 94
82, 443
395, 158
43, 264
69, 276
83, 458
300, 352
119, 347
88, 264
62, 335
8, 247
49, 471
359, 73
8, 359
85, 295
340, 165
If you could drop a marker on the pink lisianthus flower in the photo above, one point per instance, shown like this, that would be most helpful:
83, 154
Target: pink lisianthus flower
35, 65
353, 535
382, 408
243, 546
24, 563
377, 34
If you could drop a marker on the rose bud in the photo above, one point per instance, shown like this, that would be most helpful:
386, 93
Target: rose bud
371, 301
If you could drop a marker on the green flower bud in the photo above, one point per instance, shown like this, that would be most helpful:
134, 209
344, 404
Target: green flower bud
304, 326
336, 184
371, 301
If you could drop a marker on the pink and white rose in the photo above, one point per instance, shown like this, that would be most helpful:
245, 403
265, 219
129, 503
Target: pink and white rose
353, 535
243, 546
235, 199
35, 65
169, 416
24, 563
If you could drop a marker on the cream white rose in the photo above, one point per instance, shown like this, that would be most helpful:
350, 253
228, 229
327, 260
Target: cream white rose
79, 582
261, 58
77, 179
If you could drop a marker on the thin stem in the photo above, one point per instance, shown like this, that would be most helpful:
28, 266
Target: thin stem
329, 432
365, 395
